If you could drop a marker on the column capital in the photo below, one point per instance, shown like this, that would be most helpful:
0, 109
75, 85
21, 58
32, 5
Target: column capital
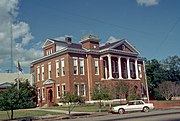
109, 55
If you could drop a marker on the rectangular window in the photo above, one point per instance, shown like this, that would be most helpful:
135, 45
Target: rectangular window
96, 66
58, 91
51, 51
39, 94
42, 67
132, 69
113, 66
49, 70
75, 62
139, 71
83, 90
82, 66
57, 68
43, 93
63, 90
76, 89
38, 73
62, 67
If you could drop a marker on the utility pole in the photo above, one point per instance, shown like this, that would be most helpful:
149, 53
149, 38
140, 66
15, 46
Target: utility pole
147, 90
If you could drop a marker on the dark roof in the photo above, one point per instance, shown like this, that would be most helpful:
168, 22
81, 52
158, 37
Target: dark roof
79, 46
107, 45
71, 45
58, 41
74, 45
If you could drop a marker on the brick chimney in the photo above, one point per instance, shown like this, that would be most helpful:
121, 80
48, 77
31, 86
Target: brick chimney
68, 40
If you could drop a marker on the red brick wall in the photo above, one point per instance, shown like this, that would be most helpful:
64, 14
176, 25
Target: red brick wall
91, 45
165, 104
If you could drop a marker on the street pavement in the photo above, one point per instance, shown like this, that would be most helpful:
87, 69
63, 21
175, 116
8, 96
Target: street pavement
171, 114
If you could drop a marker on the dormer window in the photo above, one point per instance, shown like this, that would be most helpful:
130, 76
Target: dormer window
48, 52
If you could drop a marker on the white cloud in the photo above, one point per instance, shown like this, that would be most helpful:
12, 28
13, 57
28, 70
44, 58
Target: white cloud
111, 39
21, 33
148, 2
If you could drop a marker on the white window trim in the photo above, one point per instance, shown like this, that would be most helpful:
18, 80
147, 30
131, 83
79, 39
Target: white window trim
49, 74
77, 65
140, 71
62, 60
58, 85
84, 89
42, 74
57, 68
39, 94
43, 98
96, 59
63, 91
38, 73
77, 88
81, 59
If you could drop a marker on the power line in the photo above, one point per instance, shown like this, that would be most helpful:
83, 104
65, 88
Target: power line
103, 22
167, 35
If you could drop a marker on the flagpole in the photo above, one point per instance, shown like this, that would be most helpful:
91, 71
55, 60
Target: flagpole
18, 76
18, 82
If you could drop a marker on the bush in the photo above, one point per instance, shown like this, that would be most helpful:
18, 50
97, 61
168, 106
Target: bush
55, 104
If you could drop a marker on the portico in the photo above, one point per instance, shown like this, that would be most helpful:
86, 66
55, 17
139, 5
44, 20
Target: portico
120, 67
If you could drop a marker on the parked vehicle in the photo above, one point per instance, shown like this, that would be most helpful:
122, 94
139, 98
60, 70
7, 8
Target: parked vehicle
134, 105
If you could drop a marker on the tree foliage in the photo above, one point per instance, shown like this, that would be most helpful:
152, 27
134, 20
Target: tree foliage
101, 93
123, 88
159, 71
72, 100
171, 65
168, 89
14, 98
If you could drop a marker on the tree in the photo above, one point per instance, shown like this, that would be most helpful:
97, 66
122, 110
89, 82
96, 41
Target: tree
155, 75
13, 98
72, 99
123, 89
168, 89
101, 93
172, 67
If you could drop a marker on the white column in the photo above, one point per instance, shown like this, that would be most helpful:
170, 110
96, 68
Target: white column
119, 68
136, 68
128, 69
110, 67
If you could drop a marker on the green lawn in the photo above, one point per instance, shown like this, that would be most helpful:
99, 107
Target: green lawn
168, 100
25, 113
82, 108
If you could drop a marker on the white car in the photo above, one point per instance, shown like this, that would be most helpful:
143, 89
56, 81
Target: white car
134, 105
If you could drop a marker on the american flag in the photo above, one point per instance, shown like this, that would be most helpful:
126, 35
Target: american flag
19, 67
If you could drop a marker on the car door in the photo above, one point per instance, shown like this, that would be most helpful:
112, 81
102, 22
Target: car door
139, 105
130, 106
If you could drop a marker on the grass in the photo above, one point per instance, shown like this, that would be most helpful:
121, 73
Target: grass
25, 113
168, 100
81, 108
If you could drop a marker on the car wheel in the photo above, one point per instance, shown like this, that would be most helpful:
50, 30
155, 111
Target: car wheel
121, 111
146, 109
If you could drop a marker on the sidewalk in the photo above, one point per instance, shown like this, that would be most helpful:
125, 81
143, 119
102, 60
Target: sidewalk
65, 114
60, 111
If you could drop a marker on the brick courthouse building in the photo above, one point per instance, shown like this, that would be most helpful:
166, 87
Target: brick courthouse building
78, 68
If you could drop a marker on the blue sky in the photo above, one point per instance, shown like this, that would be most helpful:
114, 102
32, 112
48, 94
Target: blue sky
152, 26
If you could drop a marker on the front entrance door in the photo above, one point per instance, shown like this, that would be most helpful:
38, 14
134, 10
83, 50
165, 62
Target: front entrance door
50, 97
